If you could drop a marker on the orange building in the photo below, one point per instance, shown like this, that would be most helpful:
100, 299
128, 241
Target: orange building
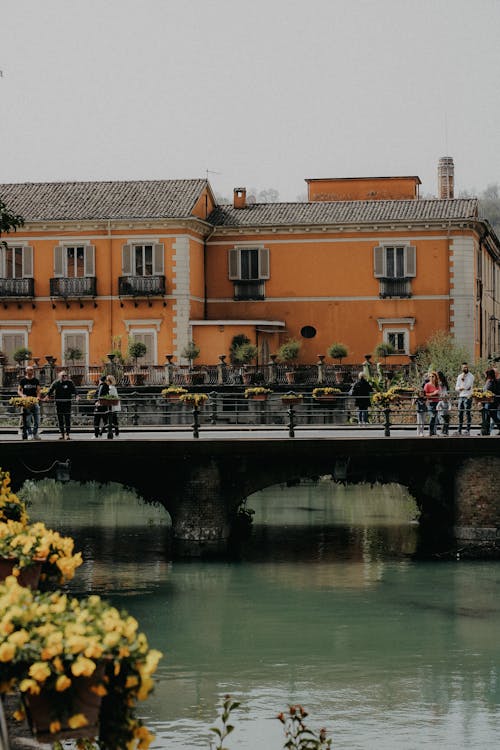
364, 260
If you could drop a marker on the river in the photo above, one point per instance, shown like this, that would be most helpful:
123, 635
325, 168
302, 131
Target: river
326, 608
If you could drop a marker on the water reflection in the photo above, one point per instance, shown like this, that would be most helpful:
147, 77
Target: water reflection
327, 609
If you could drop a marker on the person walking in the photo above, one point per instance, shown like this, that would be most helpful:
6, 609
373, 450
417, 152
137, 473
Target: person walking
63, 389
420, 403
361, 391
115, 408
490, 410
29, 385
431, 390
100, 411
463, 387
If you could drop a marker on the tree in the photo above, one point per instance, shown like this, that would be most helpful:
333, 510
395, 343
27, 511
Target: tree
245, 353
9, 221
191, 352
136, 349
289, 351
337, 351
489, 204
441, 353
384, 349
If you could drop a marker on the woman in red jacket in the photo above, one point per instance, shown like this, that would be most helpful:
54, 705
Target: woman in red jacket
431, 389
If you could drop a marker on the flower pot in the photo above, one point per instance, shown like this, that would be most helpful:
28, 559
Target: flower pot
41, 708
258, 397
484, 400
326, 399
136, 378
291, 401
172, 397
29, 576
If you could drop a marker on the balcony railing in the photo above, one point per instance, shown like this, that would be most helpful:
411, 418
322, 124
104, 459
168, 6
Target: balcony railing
17, 288
141, 286
395, 288
249, 290
66, 287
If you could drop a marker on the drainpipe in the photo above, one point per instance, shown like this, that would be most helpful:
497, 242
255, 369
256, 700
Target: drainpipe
205, 304
110, 240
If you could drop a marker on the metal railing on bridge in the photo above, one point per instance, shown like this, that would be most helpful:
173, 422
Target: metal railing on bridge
142, 410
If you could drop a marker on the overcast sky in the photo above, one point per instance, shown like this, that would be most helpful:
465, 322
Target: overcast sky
262, 93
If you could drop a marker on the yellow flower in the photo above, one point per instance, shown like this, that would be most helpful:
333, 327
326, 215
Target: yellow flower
77, 643
62, 683
54, 727
39, 670
99, 690
147, 685
131, 682
77, 720
83, 667
19, 715
144, 736
19, 638
29, 686
7, 652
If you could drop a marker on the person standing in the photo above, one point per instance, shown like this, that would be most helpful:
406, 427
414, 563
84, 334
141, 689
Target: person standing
490, 410
421, 407
30, 386
361, 391
431, 390
443, 412
63, 389
463, 387
100, 411
115, 408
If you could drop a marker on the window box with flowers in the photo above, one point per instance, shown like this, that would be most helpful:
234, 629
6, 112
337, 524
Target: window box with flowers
80, 666
258, 393
483, 397
172, 393
23, 402
291, 398
325, 395
385, 399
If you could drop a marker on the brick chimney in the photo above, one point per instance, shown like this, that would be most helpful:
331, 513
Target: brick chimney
240, 197
446, 177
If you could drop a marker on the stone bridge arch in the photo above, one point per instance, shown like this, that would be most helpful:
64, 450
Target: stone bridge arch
202, 482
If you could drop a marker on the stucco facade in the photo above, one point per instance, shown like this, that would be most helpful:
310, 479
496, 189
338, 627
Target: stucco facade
362, 261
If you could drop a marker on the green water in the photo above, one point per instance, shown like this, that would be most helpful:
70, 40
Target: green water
327, 608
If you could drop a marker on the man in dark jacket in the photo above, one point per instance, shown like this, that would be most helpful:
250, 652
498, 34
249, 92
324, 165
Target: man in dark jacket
361, 391
63, 389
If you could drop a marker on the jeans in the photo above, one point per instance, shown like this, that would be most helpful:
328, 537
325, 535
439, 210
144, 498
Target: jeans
432, 409
64, 417
363, 416
31, 420
464, 404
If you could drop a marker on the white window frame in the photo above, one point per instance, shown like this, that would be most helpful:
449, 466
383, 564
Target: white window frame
406, 333
68, 331
234, 262
27, 260
133, 331
380, 260
15, 332
128, 257
61, 259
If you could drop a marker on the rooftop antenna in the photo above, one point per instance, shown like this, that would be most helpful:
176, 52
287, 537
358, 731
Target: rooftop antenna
211, 171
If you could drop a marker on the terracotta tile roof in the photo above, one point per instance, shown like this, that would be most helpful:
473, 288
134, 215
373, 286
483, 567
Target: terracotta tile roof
137, 199
345, 212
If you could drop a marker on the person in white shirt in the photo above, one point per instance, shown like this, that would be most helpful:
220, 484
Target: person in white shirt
463, 387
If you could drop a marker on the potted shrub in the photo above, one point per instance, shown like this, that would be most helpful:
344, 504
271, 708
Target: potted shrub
136, 349
73, 355
21, 355
337, 351
192, 352
383, 350
243, 355
289, 353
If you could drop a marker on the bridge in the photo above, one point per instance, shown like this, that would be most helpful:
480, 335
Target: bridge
202, 483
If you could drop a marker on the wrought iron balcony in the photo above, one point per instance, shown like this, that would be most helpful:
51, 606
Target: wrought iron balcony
78, 286
17, 288
395, 288
141, 286
249, 290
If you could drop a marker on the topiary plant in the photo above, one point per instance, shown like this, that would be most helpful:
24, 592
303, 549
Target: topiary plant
191, 352
384, 349
136, 349
21, 355
289, 351
337, 351
245, 353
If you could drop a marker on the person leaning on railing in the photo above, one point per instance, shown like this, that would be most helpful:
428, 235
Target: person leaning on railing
463, 387
431, 390
30, 386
